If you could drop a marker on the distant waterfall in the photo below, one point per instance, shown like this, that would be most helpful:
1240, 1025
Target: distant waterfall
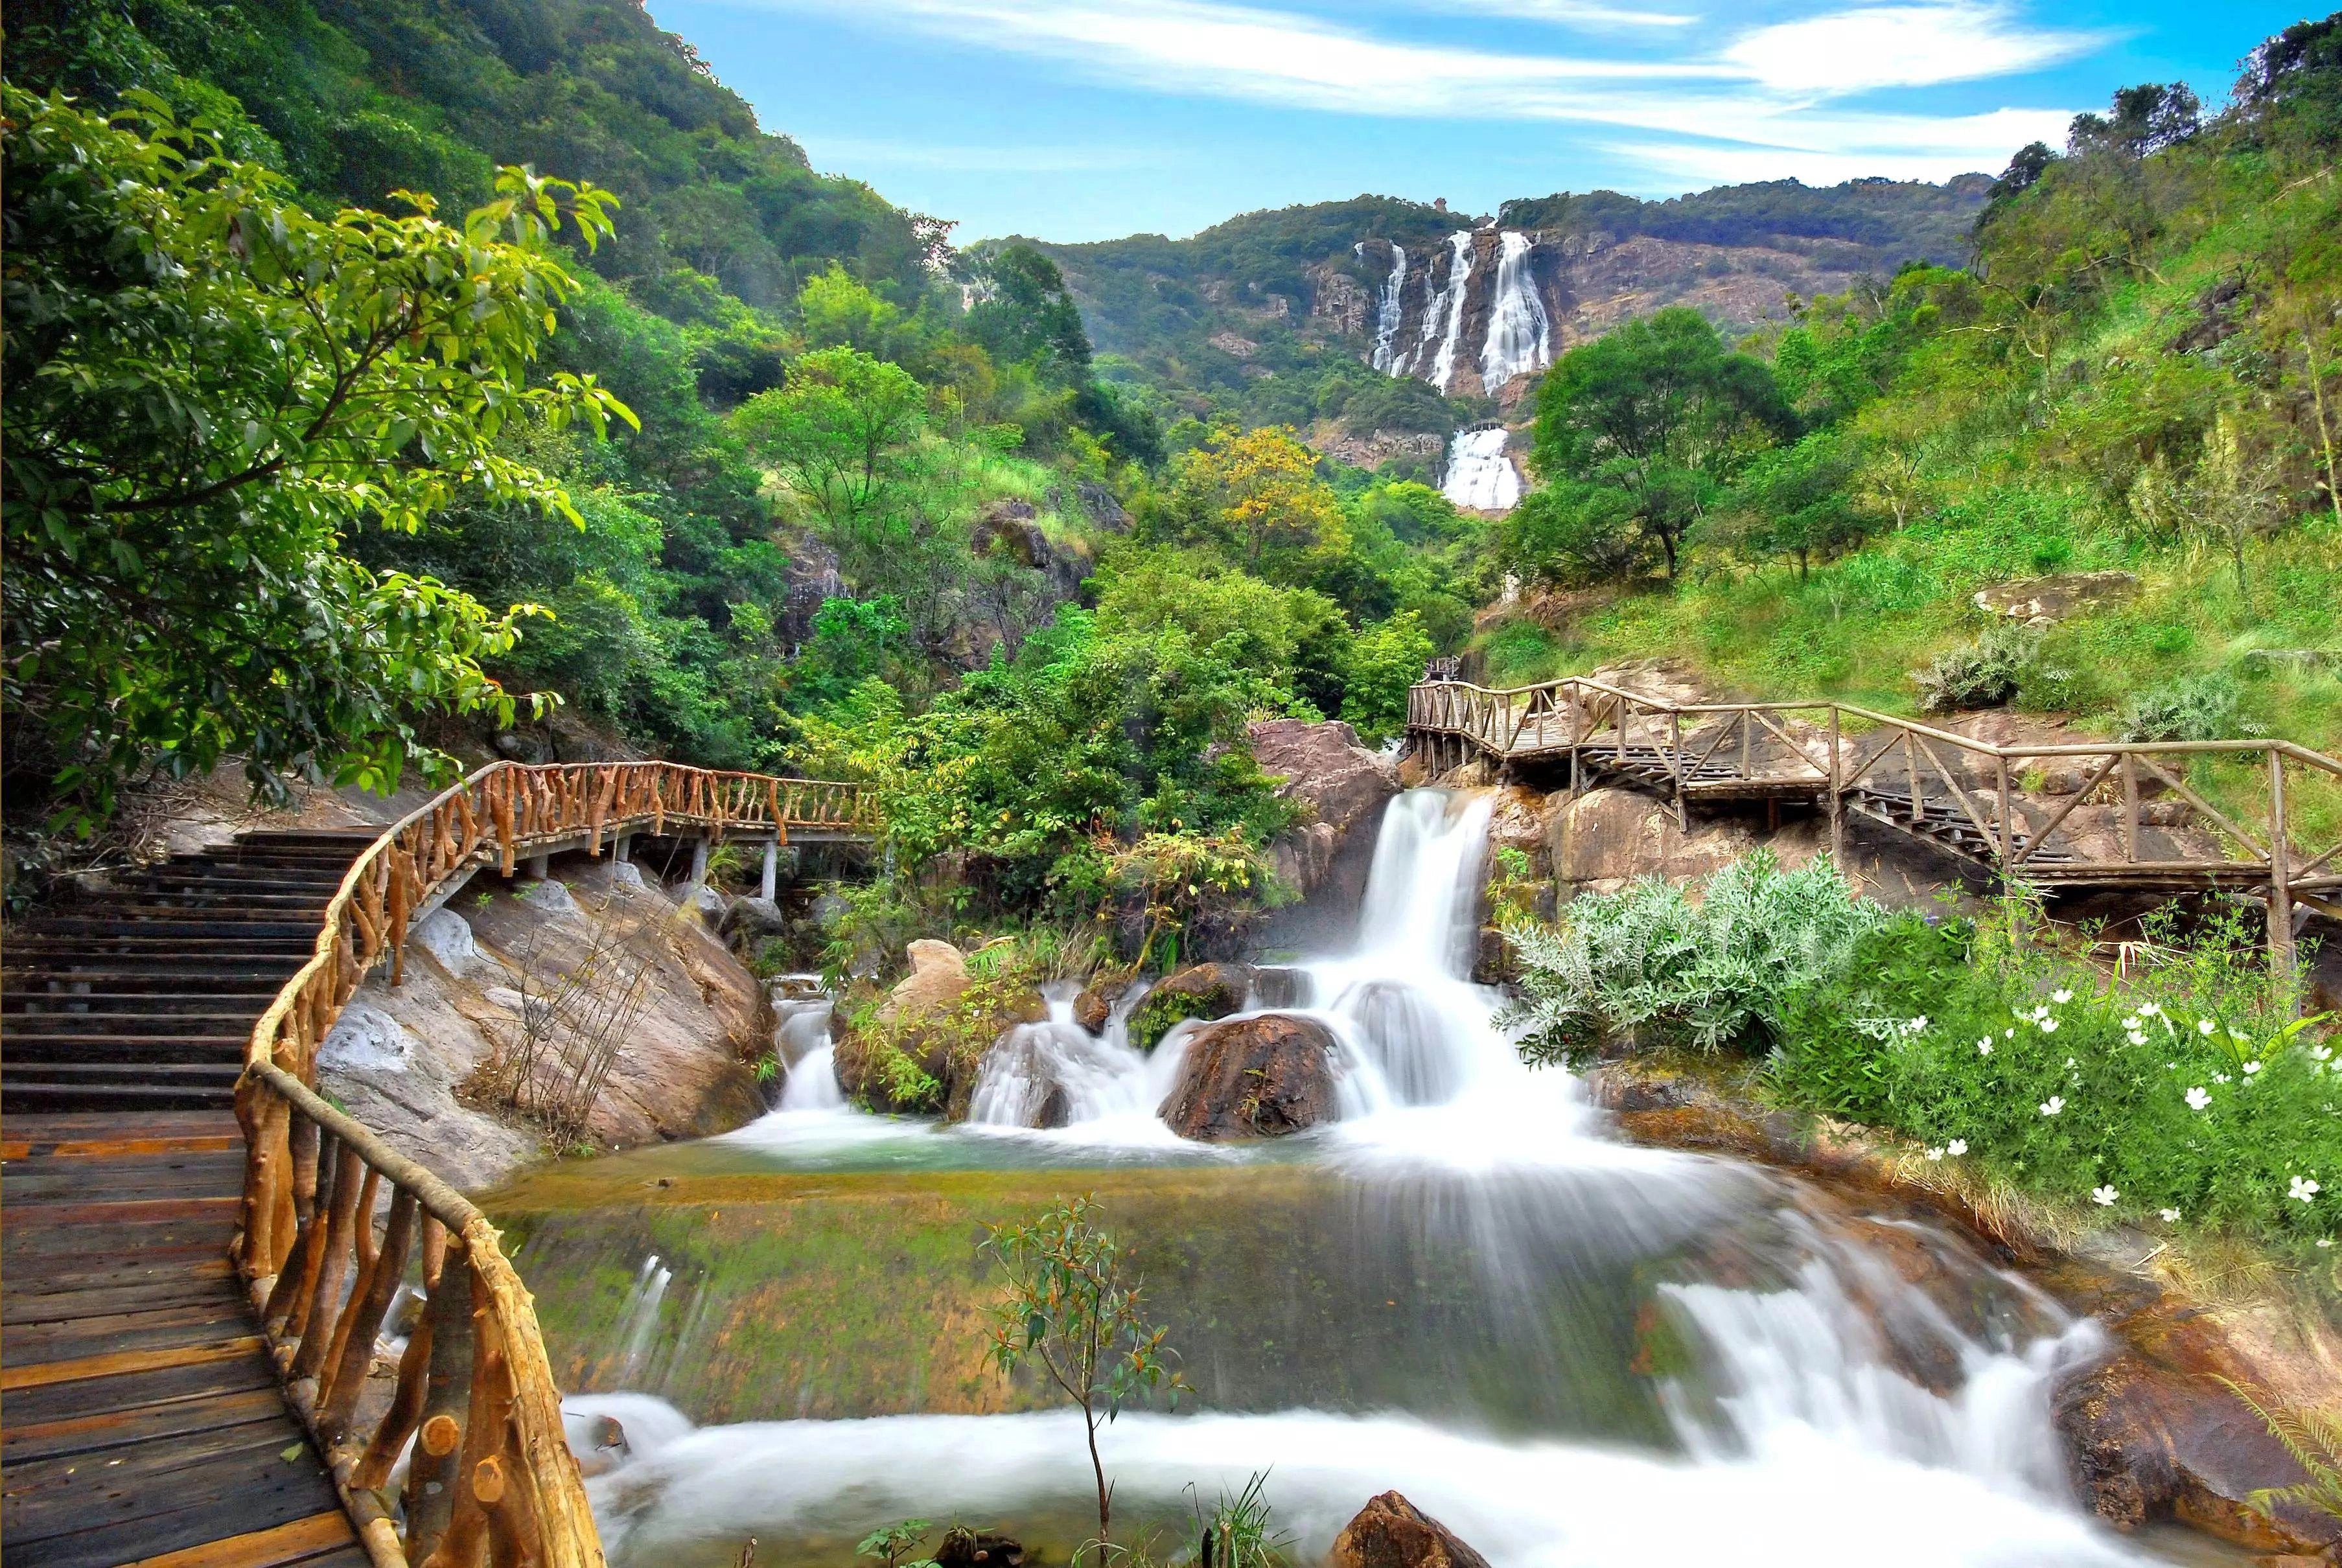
1386, 313
1520, 338
1479, 476
1460, 279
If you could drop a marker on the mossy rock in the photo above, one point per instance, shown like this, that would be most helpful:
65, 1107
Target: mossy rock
1205, 991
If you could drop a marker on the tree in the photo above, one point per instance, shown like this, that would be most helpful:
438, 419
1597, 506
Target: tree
1384, 662
1575, 535
206, 388
1798, 502
2145, 119
2237, 493
1658, 410
1071, 1307
837, 434
1027, 316
1258, 493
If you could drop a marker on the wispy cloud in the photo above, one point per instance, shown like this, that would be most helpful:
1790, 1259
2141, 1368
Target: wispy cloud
1571, 12
880, 152
1738, 103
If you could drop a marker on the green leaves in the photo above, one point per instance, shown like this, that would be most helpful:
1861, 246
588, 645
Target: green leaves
208, 387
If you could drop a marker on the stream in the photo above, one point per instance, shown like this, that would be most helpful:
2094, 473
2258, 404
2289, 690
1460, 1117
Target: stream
1574, 1353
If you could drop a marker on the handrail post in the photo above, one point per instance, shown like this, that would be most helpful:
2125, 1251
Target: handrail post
1676, 766
2280, 905
1836, 799
2007, 813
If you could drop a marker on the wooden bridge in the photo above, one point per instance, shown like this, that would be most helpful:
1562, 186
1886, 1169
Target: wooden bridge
199, 1255
2134, 815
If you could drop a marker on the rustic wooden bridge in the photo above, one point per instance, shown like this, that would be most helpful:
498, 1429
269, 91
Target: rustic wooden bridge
199, 1256
2110, 814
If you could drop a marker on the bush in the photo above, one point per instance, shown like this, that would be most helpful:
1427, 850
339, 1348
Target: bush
2191, 708
1654, 965
1985, 673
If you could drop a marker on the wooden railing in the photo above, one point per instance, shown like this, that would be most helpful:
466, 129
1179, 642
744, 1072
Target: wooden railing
490, 1477
1958, 792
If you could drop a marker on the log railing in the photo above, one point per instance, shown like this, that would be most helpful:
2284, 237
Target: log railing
1951, 789
338, 1229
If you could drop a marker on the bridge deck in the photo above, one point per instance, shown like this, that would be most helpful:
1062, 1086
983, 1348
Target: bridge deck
140, 1420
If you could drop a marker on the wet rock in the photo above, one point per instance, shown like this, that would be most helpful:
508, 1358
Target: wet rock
1492, 959
2039, 601
1258, 1077
1390, 1532
2148, 1441
751, 920
1343, 784
1094, 1008
964, 1548
1200, 991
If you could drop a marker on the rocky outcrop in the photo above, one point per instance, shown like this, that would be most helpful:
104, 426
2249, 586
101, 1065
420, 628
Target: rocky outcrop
1337, 297
938, 977
1258, 1077
1341, 784
1205, 991
936, 1025
401, 1057
2043, 601
1390, 1532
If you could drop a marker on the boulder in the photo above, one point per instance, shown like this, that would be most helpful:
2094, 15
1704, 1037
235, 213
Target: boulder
1322, 765
1390, 1532
1011, 528
938, 975
1200, 991
751, 920
1255, 1077
1522, 819
552, 898
1607, 837
2039, 601
964, 1548
447, 937
1094, 1008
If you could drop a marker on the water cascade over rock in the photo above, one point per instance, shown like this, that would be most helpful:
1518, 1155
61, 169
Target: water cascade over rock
1453, 300
1520, 337
1388, 310
1480, 477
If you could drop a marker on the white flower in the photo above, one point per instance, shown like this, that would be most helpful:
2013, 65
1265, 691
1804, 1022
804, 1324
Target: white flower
2061, 997
2136, 1038
2052, 1105
1935, 1153
2104, 1197
2326, 1241
1917, 1025
2048, 1026
2069, 1061
2198, 1098
2320, 1052
2236, 1033
1983, 1047
2301, 1190
2010, 1033
2251, 1068
1957, 1146
2134, 1022
2171, 1216
2205, 1028
2220, 1077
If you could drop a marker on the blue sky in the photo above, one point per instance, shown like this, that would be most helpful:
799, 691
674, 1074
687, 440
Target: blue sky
1087, 119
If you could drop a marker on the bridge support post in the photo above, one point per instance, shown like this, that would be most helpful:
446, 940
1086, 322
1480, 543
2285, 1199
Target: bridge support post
699, 861
2282, 955
622, 848
772, 877
540, 866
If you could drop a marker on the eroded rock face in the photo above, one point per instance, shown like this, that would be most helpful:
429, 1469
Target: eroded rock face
2040, 600
1258, 1077
938, 975
1199, 991
1390, 1532
1324, 766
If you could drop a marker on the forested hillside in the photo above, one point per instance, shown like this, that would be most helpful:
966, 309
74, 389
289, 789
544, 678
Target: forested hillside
767, 472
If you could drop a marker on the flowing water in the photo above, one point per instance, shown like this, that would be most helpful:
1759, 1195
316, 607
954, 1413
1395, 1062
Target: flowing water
1388, 310
1520, 338
1479, 474
1574, 1353
1447, 311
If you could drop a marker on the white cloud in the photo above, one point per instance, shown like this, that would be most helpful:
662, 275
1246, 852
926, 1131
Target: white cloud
1827, 150
1899, 46
1575, 12
860, 152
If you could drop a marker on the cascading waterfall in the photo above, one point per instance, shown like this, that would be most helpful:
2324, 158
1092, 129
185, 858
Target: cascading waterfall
1520, 338
1479, 474
1574, 1353
1387, 310
1451, 301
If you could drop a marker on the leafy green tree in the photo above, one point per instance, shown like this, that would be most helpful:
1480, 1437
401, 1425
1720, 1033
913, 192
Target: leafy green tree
1799, 502
206, 388
1384, 662
1027, 316
1661, 411
1072, 1308
839, 434
1575, 535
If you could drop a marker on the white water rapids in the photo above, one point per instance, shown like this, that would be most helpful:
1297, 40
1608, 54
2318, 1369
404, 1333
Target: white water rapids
1479, 474
1817, 1409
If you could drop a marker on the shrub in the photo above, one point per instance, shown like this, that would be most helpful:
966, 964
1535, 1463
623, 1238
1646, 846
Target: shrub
2192, 708
1655, 966
1983, 675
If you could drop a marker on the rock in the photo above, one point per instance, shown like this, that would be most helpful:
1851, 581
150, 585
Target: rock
2146, 1440
1522, 819
1607, 837
1340, 298
1254, 1077
938, 975
366, 1039
2165, 813
2265, 661
1094, 1008
626, 873
964, 1548
446, 936
551, 897
1200, 991
1342, 783
750, 920
708, 904
2063, 781
1390, 1532
524, 747
2039, 601
1011, 528
1229, 342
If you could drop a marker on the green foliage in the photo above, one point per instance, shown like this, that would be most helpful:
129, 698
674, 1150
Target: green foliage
894, 1543
1384, 662
1655, 966
1238, 1534
1983, 675
1071, 1307
2203, 707
2314, 1439
208, 387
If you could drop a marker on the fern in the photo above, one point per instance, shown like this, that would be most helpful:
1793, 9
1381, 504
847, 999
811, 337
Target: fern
2314, 1438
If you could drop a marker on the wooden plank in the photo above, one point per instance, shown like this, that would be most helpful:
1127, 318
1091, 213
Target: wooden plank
201, 1321
141, 1390
222, 1212
299, 1542
28, 1304
139, 1424
32, 1485
214, 1506
82, 1368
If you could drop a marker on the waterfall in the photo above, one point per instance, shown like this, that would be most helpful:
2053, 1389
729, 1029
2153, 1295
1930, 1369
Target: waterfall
1388, 312
1479, 476
1451, 306
1519, 336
